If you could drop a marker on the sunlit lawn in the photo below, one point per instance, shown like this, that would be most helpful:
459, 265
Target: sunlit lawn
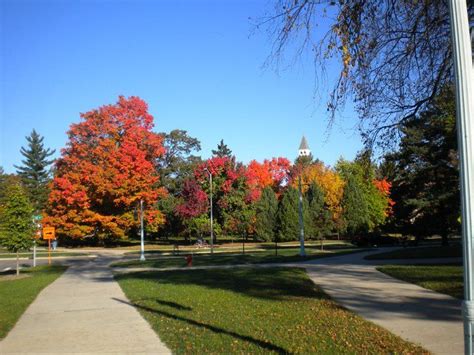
271, 310
447, 279
450, 251
17, 294
268, 256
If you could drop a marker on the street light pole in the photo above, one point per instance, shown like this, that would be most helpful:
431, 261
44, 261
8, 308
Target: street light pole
142, 233
464, 74
302, 251
212, 217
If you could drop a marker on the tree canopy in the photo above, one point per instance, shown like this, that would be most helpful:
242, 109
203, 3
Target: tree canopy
394, 56
108, 166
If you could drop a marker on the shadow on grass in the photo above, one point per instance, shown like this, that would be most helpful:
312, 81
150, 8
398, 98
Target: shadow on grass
262, 257
173, 305
266, 283
262, 344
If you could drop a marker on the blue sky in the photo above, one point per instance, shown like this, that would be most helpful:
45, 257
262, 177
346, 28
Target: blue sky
196, 63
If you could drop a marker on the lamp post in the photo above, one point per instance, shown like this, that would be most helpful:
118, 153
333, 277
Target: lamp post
212, 228
142, 233
302, 251
464, 74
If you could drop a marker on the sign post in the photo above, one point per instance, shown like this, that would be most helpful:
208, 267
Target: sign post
48, 234
36, 219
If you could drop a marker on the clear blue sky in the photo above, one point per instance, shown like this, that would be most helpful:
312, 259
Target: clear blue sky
194, 62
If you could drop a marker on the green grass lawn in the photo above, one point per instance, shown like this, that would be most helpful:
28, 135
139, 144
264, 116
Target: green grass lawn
16, 295
268, 256
450, 251
268, 310
447, 279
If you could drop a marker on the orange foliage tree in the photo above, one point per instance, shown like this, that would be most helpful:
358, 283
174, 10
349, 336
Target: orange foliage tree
273, 173
107, 167
384, 187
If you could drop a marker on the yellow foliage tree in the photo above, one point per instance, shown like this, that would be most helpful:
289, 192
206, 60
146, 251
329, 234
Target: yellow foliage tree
329, 181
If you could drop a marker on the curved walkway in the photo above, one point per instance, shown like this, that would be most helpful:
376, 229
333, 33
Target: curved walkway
79, 313
422, 316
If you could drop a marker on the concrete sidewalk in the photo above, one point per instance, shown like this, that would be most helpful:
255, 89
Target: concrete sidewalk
81, 312
424, 317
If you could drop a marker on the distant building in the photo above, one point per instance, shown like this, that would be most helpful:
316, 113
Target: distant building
304, 150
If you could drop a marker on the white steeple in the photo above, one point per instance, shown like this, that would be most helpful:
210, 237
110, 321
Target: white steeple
304, 150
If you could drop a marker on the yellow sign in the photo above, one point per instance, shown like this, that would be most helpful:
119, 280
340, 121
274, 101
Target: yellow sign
49, 233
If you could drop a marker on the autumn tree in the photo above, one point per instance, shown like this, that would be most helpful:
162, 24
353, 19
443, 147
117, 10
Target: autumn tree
193, 208
225, 171
16, 221
34, 171
272, 173
394, 56
107, 167
328, 180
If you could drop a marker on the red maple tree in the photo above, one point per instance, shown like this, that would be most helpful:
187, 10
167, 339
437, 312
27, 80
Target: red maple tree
107, 167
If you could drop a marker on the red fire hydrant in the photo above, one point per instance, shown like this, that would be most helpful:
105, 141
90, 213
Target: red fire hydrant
189, 260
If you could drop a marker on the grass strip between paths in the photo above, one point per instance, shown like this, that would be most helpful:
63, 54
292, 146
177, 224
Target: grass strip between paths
284, 255
17, 295
447, 279
451, 251
270, 310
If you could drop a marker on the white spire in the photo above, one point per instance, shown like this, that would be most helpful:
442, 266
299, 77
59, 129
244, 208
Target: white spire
304, 150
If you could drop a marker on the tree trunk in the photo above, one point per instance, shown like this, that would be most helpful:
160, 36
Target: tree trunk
17, 263
276, 248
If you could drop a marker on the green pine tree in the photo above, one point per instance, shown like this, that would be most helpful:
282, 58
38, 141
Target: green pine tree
266, 212
16, 221
222, 150
288, 215
34, 172
355, 207
319, 222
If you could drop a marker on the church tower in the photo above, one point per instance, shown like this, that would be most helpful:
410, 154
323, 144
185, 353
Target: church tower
304, 150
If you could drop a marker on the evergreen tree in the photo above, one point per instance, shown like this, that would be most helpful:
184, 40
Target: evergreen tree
355, 209
266, 212
222, 150
319, 217
288, 215
16, 221
425, 172
34, 172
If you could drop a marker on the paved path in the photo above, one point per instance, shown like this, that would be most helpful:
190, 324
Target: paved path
83, 311
424, 317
